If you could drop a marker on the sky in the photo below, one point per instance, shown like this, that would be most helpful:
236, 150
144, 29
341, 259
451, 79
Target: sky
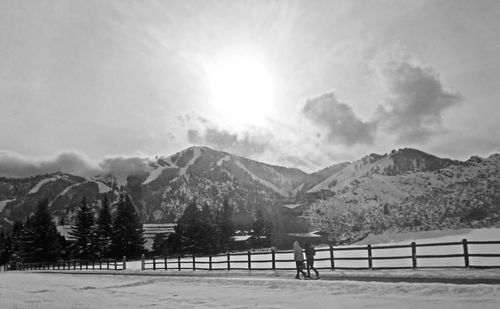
92, 86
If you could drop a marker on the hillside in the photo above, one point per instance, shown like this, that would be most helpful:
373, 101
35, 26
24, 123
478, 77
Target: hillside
405, 190
161, 191
377, 193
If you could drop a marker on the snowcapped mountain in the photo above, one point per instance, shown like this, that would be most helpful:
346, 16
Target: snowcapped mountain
411, 190
408, 184
19, 196
396, 163
209, 176
163, 189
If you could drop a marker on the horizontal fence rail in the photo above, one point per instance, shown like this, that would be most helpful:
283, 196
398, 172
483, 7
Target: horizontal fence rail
97, 264
406, 256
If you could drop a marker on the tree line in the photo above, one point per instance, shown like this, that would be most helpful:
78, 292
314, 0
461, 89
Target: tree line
200, 231
37, 240
205, 231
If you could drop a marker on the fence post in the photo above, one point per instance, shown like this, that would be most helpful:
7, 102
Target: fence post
273, 259
228, 261
165, 260
466, 253
413, 255
143, 262
179, 262
332, 258
210, 262
249, 261
74, 265
194, 263
154, 263
107, 264
100, 264
116, 266
369, 248
124, 263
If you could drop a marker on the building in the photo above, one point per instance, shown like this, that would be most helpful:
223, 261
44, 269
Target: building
150, 232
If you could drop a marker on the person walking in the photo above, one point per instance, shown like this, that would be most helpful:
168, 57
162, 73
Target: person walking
298, 256
310, 253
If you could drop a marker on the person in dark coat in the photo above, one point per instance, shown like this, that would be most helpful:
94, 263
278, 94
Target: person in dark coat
298, 256
310, 253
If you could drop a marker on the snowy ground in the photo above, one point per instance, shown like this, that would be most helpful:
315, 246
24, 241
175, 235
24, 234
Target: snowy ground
241, 261
41, 290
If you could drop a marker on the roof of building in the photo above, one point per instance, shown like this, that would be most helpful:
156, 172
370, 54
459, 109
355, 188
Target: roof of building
292, 206
242, 238
313, 234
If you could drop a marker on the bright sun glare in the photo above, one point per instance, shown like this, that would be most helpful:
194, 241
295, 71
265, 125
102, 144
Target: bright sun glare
242, 89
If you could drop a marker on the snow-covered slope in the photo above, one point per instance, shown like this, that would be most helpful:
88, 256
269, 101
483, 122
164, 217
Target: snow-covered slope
460, 195
399, 162
41, 183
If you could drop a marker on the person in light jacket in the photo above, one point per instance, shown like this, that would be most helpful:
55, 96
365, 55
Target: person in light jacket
298, 256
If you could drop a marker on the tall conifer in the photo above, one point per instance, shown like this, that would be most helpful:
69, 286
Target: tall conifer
104, 228
127, 237
40, 240
83, 232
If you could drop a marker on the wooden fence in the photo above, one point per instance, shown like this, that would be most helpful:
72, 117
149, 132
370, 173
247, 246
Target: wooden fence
246, 260
99, 264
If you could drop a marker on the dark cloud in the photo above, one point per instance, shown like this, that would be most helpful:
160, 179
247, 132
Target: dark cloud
342, 125
13, 164
122, 167
418, 100
247, 143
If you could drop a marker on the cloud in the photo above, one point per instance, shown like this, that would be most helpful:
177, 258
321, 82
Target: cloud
343, 126
247, 143
13, 164
122, 167
416, 102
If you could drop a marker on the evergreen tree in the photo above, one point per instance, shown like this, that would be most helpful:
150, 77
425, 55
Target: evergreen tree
104, 228
6, 250
160, 244
261, 230
16, 241
209, 231
127, 239
225, 225
259, 224
39, 237
83, 232
190, 231
3, 247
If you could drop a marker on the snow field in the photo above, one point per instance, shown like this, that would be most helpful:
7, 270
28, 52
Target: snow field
37, 290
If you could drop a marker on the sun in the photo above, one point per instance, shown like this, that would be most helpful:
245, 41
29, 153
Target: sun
241, 89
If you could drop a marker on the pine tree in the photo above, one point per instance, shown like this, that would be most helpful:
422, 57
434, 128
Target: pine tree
209, 231
39, 237
225, 225
2, 247
160, 244
127, 239
6, 250
104, 228
190, 231
16, 241
83, 232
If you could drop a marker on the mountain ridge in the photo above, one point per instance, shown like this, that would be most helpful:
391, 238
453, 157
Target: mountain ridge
161, 191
